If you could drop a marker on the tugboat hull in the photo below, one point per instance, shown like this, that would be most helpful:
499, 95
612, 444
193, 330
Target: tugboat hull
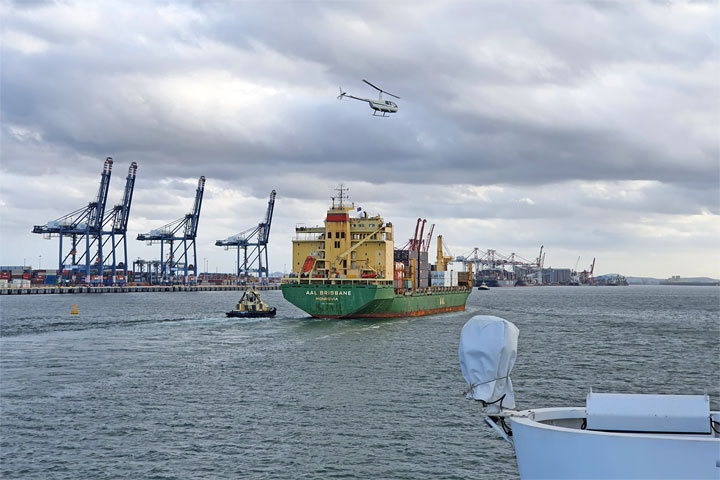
241, 314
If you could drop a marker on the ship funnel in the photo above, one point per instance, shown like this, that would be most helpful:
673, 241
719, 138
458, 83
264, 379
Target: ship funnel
487, 351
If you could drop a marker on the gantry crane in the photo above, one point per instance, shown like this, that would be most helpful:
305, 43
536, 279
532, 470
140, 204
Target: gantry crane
256, 239
85, 227
183, 231
115, 227
522, 268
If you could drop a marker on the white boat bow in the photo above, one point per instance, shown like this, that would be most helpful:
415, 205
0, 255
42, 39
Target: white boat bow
613, 436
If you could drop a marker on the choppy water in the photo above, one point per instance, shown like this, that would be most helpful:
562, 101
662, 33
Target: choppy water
164, 386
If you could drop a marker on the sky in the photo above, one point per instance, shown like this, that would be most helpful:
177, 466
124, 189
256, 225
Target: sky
590, 128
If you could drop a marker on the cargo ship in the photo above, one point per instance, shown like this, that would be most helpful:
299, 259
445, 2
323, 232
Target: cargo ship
349, 268
497, 277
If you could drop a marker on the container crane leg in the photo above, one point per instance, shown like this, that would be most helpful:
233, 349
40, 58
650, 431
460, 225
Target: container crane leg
194, 262
87, 257
162, 260
60, 258
185, 270
238, 265
267, 268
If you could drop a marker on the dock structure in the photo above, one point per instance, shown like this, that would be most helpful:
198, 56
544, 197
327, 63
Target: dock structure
66, 290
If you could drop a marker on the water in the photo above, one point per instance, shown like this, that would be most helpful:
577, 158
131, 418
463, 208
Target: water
162, 385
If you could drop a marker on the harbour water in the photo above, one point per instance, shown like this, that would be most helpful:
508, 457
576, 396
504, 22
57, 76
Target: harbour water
163, 385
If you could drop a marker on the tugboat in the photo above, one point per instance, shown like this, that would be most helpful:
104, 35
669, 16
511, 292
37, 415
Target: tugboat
483, 286
250, 305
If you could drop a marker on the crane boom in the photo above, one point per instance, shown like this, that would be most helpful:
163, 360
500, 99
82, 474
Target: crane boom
368, 237
420, 238
268, 217
98, 212
429, 238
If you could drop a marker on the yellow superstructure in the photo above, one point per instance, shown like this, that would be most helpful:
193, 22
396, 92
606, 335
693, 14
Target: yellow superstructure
346, 247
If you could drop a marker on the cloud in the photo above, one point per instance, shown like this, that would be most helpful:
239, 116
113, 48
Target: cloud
516, 121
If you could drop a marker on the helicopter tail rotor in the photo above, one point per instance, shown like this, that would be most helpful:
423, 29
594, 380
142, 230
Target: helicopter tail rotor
342, 94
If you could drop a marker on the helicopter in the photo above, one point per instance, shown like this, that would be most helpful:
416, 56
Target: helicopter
379, 105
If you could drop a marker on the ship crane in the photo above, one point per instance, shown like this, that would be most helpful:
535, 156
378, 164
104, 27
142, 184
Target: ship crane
183, 231
89, 249
418, 243
255, 239
426, 245
441, 259
417, 248
586, 276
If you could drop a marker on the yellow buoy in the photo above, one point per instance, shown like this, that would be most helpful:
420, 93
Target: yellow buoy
74, 309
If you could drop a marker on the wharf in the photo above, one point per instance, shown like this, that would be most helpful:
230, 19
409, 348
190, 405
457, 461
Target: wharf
131, 289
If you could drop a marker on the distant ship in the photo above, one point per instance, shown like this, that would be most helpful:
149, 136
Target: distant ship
612, 281
349, 268
498, 277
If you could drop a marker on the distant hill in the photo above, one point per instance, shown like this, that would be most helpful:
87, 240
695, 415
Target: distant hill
643, 281
656, 281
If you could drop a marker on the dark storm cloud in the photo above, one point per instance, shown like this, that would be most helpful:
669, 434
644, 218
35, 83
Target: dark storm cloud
76, 94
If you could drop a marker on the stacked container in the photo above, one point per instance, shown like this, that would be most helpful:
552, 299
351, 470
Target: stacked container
422, 265
398, 274
20, 283
443, 278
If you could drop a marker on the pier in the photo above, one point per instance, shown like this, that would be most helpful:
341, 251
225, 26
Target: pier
62, 290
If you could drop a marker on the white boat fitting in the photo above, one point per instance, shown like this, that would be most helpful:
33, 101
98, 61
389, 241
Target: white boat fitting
613, 436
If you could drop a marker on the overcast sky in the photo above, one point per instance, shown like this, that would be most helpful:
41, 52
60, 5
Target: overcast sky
591, 128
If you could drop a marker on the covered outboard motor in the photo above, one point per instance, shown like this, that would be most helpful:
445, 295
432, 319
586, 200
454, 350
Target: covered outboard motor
487, 351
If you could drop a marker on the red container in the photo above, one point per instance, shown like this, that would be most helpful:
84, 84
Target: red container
26, 276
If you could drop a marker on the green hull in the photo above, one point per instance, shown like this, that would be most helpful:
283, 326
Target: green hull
371, 300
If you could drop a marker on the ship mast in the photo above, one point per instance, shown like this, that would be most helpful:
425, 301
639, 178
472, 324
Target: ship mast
342, 195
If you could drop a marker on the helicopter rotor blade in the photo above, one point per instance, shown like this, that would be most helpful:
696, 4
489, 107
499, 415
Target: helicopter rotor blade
376, 88
380, 89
